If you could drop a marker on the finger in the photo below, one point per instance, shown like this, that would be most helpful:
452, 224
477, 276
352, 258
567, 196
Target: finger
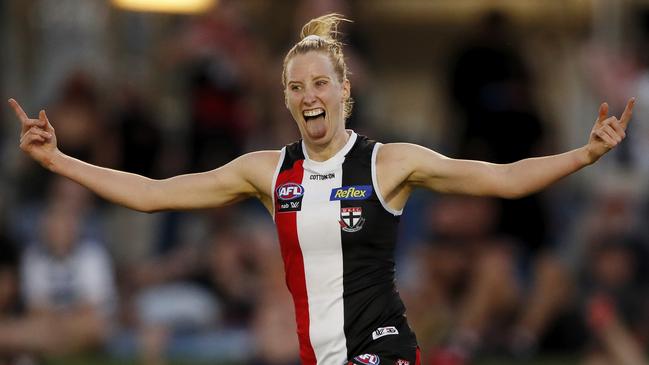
619, 130
18, 110
603, 112
604, 138
31, 138
608, 140
43, 118
628, 111
611, 133
31, 123
40, 132
20, 113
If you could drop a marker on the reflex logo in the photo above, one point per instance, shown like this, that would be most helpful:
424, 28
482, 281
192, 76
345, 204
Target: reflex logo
290, 191
354, 192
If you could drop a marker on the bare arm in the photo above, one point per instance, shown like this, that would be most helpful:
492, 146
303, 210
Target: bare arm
247, 176
406, 166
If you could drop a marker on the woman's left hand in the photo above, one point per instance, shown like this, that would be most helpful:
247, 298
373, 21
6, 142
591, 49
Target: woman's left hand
608, 132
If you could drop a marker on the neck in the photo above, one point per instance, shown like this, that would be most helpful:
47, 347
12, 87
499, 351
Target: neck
324, 152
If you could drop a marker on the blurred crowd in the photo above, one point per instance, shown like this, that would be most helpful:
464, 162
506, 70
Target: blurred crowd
562, 271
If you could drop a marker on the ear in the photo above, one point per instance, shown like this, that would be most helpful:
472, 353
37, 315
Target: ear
347, 89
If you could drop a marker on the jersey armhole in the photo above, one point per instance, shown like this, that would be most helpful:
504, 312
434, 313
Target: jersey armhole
275, 175
375, 183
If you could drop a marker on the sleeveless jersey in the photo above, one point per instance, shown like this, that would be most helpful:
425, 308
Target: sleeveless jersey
337, 239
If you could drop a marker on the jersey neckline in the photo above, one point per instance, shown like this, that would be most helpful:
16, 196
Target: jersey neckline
334, 161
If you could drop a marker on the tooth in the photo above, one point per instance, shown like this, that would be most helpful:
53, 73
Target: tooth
314, 112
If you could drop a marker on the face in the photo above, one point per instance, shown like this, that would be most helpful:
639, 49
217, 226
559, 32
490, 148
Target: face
61, 230
315, 96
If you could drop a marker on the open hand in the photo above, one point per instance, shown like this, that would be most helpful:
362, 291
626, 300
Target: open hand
608, 132
37, 137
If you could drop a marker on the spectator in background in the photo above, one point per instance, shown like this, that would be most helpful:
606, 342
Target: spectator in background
273, 330
83, 131
608, 254
66, 283
480, 299
491, 87
9, 297
617, 302
140, 137
198, 299
220, 61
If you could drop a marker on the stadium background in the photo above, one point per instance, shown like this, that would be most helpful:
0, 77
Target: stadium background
161, 94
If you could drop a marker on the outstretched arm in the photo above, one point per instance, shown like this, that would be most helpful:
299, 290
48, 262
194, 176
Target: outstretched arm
413, 166
247, 176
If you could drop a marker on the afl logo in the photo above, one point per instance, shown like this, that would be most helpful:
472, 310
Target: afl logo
290, 191
369, 359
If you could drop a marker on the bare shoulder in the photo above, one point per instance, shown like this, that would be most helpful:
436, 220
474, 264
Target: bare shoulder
261, 159
408, 162
393, 168
397, 154
259, 164
259, 168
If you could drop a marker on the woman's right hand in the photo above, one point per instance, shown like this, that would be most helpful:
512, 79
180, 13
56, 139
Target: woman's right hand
37, 137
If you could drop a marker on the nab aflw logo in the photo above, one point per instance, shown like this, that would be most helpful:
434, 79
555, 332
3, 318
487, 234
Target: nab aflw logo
290, 191
289, 197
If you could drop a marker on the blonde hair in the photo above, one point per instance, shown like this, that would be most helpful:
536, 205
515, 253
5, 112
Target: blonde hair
321, 35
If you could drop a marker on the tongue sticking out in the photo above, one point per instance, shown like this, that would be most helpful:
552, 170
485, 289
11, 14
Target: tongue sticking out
316, 128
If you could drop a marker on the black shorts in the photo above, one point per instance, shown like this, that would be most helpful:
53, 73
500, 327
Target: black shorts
374, 359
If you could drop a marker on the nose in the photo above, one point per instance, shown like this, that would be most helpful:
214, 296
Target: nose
309, 96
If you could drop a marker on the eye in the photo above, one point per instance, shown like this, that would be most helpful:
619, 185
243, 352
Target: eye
321, 82
295, 87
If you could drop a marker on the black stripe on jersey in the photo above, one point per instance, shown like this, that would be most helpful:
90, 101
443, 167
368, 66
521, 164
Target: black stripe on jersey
293, 153
371, 300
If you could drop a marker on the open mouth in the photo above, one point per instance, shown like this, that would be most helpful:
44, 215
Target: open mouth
313, 114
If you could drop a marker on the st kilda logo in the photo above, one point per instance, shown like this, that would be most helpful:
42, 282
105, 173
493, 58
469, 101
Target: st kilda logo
289, 197
351, 219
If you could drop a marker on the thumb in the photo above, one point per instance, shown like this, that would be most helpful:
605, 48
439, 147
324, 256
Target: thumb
603, 112
43, 118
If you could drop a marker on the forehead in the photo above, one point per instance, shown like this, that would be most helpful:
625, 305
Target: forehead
309, 65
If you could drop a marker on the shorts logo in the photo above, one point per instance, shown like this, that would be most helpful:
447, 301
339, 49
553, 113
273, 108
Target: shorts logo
351, 219
402, 362
290, 191
355, 192
368, 359
384, 331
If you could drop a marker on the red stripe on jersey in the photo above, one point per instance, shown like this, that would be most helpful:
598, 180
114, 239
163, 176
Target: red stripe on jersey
294, 262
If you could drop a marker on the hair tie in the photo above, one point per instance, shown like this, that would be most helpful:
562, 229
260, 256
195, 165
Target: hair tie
312, 37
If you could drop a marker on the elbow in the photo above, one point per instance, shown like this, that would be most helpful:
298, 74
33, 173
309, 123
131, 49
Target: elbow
149, 200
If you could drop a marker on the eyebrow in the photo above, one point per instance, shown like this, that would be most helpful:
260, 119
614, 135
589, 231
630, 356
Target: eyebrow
314, 78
